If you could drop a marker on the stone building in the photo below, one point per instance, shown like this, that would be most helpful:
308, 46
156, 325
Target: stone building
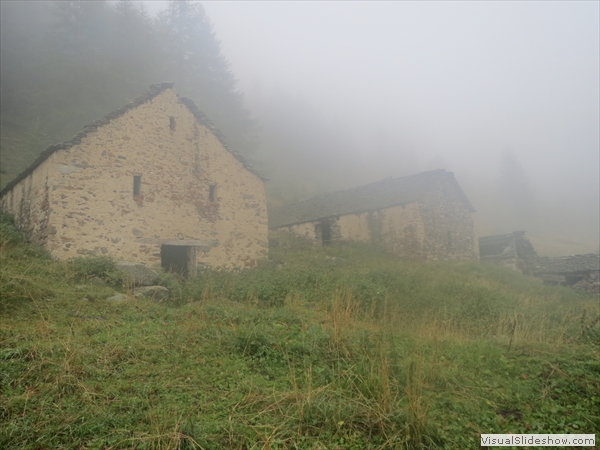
511, 250
153, 182
515, 251
420, 217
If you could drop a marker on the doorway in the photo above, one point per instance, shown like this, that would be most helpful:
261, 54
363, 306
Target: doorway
326, 232
178, 259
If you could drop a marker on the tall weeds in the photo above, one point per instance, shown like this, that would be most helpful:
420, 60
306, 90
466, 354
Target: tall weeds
372, 354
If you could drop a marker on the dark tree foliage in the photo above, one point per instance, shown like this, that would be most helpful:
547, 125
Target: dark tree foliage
68, 63
193, 60
515, 192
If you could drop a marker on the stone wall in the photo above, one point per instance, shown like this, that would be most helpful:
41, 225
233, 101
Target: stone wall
81, 200
402, 230
450, 232
399, 230
29, 201
511, 250
307, 231
580, 271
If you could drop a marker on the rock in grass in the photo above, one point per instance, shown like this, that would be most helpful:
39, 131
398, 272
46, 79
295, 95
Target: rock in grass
117, 298
98, 281
156, 293
138, 274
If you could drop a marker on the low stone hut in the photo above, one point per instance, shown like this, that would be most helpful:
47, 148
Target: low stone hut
153, 182
421, 217
512, 250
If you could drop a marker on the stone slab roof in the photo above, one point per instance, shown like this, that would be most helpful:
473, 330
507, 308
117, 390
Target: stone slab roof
496, 245
155, 90
371, 197
568, 264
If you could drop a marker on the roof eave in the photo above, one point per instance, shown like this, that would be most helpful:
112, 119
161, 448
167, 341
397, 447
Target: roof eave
155, 90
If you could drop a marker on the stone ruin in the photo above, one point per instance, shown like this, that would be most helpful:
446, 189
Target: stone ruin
511, 250
581, 272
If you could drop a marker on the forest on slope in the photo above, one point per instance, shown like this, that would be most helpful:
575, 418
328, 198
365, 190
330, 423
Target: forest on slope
66, 64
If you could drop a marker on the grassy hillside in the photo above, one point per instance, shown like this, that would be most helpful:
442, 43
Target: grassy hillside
339, 347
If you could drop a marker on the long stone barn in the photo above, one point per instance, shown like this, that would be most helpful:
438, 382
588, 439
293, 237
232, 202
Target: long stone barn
153, 182
422, 217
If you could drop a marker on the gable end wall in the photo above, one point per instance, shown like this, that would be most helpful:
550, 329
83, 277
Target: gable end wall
449, 227
80, 200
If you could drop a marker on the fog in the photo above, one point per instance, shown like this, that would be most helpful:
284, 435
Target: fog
504, 94
412, 86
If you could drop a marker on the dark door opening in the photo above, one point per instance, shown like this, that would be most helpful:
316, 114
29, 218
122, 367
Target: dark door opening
326, 233
178, 259
570, 280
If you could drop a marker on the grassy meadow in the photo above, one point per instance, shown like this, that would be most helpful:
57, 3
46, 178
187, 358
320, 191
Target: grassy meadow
329, 348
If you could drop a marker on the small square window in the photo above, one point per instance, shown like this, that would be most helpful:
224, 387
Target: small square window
137, 185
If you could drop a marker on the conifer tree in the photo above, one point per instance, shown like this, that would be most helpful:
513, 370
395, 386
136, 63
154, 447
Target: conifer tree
68, 63
193, 60
515, 192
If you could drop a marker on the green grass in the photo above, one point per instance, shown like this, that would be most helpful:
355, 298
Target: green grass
304, 353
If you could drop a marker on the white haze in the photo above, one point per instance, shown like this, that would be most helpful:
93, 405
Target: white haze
413, 86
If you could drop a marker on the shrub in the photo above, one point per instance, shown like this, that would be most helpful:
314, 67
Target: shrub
9, 234
88, 267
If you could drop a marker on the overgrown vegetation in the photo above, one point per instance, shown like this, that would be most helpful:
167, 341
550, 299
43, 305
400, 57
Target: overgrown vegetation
339, 347
96, 268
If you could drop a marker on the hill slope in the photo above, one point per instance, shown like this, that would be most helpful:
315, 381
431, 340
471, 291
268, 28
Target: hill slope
337, 347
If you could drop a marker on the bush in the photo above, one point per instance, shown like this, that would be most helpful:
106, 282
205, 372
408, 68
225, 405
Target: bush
88, 267
9, 234
172, 283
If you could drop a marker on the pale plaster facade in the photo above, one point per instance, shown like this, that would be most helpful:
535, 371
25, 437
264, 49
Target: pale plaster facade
151, 178
425, 217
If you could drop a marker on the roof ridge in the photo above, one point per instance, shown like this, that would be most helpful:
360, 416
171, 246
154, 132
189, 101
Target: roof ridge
204, 120
369, 197
155, 90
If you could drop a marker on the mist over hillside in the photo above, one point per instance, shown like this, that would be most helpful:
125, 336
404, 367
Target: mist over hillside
326, 96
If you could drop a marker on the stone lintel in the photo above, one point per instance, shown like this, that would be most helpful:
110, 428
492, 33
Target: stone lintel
204, 245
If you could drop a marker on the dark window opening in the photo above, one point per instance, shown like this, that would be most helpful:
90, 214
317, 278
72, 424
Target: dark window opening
137, 185
326, 233
212, 193
172, 123
178, 259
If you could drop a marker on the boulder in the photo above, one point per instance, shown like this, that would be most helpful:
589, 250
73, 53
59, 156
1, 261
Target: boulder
156, 293
137, 274
117, 298
98, 281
